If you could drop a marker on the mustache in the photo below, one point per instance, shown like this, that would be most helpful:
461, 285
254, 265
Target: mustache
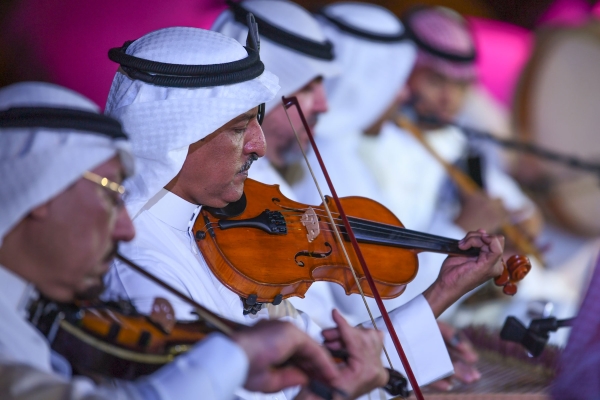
253, 157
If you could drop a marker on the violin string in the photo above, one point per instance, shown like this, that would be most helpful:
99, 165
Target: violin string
378, 227
336, 231
382, 229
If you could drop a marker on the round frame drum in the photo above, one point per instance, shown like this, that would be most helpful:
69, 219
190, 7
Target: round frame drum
557, 106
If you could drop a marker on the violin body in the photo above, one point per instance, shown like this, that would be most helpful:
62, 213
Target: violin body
112, 339
276, 248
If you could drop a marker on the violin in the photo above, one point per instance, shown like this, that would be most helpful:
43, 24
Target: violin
266, 247
113, 340
272, 258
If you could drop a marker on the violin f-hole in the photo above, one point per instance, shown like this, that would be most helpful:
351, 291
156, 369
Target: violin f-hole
312, 254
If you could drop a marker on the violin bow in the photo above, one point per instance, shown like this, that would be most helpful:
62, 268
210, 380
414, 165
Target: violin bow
293, 101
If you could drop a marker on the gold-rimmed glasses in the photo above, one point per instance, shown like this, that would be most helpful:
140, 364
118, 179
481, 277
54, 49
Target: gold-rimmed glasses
114, 187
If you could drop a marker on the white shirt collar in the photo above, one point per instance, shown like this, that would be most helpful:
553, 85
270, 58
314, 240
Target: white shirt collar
172, 210
15, 291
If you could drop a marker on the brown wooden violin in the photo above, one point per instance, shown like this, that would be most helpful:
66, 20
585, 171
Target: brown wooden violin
266, 247
266, 255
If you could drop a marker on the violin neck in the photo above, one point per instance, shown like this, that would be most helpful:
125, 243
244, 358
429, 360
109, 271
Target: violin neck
390, 235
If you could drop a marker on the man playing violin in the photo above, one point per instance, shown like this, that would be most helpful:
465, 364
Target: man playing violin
195, 146
62, 166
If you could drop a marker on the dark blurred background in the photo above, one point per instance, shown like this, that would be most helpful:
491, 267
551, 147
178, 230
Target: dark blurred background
65, 41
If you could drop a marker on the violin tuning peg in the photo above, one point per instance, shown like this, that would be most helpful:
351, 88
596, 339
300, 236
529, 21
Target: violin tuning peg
504, 278
510, 289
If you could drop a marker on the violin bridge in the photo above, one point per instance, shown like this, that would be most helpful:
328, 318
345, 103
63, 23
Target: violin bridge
163, 315
311, 223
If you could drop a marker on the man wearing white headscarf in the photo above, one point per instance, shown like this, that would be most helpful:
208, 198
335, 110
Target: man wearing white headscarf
61, 217
190, 100
293, 41
295, 49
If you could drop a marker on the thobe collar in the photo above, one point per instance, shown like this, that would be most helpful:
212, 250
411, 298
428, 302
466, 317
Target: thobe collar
172, 210
15, 291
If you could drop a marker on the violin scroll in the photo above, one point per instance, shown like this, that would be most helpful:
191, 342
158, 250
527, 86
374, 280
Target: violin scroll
515, 269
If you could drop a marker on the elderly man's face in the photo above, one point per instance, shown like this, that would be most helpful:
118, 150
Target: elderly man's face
437, 95
77, 233
282, 147
216, 167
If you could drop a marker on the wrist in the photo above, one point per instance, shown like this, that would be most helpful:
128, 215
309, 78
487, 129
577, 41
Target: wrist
439, 298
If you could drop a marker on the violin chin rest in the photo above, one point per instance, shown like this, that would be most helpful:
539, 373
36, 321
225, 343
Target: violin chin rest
230, 210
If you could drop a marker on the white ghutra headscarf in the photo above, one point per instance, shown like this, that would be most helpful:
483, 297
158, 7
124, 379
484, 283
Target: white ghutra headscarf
163, 121
373, 69
293, 47
38, 163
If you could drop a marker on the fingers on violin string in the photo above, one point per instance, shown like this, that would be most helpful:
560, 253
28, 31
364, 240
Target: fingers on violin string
476, 233
472, 242
498, 243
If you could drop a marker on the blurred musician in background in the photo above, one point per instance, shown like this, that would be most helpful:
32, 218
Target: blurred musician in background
443, 75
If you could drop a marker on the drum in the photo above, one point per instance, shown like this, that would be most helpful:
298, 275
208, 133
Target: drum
557, 106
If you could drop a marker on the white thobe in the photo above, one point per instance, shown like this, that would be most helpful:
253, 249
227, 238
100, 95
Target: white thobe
27, 371
164, 246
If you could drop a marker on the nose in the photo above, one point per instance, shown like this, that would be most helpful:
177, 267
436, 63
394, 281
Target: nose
124, 230
403, 96
255, 139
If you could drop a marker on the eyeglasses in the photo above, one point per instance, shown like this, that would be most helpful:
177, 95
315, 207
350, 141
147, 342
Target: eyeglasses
114, 187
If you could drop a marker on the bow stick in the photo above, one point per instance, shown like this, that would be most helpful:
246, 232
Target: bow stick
293, 101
